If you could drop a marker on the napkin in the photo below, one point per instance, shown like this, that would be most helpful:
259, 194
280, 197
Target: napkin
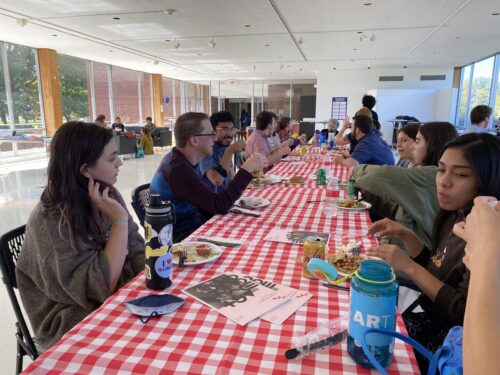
244, 211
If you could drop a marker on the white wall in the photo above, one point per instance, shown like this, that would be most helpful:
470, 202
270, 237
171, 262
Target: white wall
354, 84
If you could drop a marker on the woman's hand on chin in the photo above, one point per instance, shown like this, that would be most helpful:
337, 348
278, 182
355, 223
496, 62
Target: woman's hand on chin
109, 206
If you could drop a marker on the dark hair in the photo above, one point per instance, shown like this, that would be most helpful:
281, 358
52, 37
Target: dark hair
187, 125
263, 119
283, 122
66, 195
149, 118
436, 134
481, 150
369, 101
479, 113
363, 123
100, 118
222, 116
410, 130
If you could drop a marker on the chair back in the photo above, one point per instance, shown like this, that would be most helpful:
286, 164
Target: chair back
10, 248
140, 199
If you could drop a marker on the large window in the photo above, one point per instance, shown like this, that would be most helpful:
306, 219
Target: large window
479, 86
126, 95
74, 78
101, 91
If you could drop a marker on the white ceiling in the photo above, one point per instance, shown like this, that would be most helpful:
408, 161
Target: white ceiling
287, 39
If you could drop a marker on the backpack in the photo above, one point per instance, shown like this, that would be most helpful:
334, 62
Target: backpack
446, 361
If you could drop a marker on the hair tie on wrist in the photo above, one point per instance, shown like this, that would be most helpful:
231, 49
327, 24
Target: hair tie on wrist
119, 221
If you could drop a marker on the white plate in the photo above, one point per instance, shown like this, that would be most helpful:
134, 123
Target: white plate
216, 252
271, 179
252, 202
365, 204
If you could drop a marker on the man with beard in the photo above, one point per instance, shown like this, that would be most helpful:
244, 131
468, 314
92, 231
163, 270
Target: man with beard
217, 168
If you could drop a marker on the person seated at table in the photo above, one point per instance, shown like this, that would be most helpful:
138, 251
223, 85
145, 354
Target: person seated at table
146, 141
469, 166
257, 142
81, 244
408, 195
342, 139
117, 125
179, 178
284, 132
481, 352
332, 126
218, 168
370, 147
405, 139
273, 138
479, 119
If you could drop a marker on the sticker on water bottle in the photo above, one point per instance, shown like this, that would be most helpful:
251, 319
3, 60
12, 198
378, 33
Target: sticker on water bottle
165, 235
163, 265
372, 312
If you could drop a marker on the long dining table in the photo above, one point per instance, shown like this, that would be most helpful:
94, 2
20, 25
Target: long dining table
198, 340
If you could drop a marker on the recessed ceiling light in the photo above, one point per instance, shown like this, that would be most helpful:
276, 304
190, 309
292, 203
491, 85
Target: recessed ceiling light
212, 43
111, 50
168, 40
495, 14
404, 67
266, 45
116, 18
21, 22
367, 4
334, 68
248, 26
354, 49
458, 37
55, 35
169, 11
359, 32
200, 54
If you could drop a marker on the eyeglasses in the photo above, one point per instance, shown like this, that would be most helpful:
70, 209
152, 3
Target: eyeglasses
227, 130
213, 135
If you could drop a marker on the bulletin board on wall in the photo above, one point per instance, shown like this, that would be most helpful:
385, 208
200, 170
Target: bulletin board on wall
339, 107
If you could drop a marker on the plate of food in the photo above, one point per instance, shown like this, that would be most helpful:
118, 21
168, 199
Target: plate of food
197, 252
252, 202
346, 263
352, 204
266, 180
297, 180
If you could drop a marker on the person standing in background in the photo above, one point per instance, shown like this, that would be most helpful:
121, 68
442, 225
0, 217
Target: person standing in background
117, 125
150, 125
369, 102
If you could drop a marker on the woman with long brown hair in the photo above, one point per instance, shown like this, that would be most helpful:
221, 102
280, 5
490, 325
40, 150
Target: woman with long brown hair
81, 243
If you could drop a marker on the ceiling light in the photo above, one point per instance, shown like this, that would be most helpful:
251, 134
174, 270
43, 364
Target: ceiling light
404, 67
354, 49
116, 18
248, 25
495, 14
372, 38
177, 45
55, 35
169, 11
156, 61
359, 32
212, 43
200, 54
367, 4
21, 22
369, 65
266, 45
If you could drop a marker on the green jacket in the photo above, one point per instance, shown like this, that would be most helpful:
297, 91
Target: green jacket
406, 195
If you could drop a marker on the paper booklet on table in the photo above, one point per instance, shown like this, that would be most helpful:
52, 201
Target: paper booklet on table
294, 236
243, 298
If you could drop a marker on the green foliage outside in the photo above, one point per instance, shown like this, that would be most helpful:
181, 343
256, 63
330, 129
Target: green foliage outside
74, 91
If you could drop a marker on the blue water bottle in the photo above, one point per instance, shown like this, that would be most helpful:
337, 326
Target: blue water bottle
374, 298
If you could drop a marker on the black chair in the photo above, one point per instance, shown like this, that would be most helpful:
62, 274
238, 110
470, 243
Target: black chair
10, 248
140, 199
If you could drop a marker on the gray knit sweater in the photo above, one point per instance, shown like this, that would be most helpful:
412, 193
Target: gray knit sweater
60, 286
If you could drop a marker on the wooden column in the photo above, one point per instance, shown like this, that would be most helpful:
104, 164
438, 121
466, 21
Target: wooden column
157, 99
51, 89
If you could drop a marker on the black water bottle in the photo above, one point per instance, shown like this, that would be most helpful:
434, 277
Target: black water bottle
159, 225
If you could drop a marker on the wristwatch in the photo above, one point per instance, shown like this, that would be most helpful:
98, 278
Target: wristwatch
221, 171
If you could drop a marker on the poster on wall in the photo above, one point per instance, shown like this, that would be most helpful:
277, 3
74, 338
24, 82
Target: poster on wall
339, 107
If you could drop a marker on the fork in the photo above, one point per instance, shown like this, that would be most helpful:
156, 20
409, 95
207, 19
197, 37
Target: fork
182, 257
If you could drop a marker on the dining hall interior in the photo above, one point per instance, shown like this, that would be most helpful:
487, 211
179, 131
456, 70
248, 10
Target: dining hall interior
309, 62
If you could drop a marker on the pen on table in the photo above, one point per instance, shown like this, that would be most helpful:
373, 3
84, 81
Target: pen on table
332, 340
338, 287
319, 201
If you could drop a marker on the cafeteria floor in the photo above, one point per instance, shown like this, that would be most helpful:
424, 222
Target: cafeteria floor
20, 188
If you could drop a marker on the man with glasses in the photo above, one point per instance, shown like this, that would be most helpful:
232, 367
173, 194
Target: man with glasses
179, 178
218, 168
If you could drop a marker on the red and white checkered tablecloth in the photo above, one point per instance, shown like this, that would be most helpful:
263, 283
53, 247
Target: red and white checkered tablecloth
198, 340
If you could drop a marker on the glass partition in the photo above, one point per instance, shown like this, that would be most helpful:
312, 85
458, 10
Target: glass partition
126, 95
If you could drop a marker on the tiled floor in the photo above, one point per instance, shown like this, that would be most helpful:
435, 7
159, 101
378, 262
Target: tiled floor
20, 187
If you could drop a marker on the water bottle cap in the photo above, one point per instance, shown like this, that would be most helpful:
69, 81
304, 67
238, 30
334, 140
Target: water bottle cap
157, 205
